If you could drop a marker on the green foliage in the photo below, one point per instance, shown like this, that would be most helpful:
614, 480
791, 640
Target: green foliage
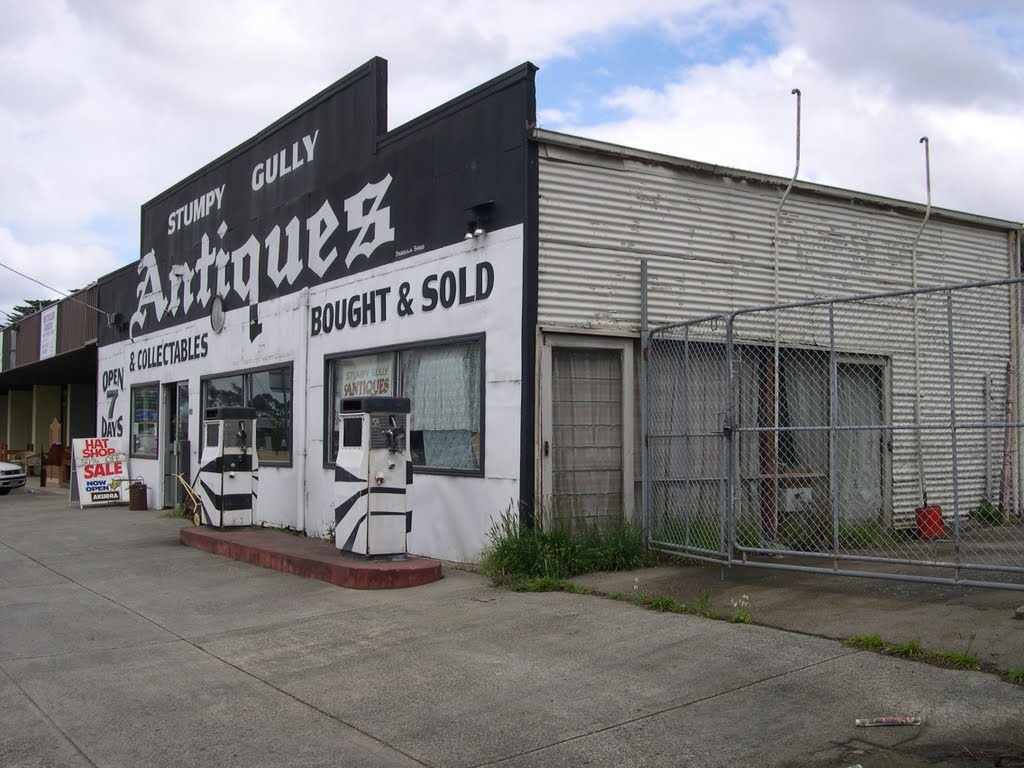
959, 659
962, 658
662, 602
741, 610
701, 605
988, 513
177, 512
865, 535
869, 642
908, 650
549, 584
26, 308
517, 552
1016, 674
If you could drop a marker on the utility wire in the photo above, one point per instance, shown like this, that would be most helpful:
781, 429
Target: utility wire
55, 290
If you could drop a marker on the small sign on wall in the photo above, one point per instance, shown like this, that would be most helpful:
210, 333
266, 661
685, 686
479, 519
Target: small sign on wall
48, 332
101, 470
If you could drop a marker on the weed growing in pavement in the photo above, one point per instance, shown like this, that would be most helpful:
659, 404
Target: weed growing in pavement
962, 658
909, 650
701, 605
741, 610
549, 584
664, 603
865, 642
176, 512
1016, 674
518, 552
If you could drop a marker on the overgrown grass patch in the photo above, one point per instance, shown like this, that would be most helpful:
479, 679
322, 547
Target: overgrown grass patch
964, 658
519, 553
701, 606
661, 602
1016, 675
869, 642
549, 584
911, 649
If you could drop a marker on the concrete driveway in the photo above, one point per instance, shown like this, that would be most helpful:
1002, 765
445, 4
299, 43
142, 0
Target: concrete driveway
120, 647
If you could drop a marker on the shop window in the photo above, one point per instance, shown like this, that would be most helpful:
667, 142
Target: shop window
269, 391
145, 421
443, 384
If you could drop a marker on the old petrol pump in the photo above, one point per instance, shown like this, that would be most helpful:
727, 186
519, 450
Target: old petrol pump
228, 467
372, 477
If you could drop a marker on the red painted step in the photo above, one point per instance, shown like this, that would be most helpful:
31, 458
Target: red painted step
312, 558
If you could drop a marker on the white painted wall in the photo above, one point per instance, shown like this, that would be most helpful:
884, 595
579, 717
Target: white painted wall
451, 515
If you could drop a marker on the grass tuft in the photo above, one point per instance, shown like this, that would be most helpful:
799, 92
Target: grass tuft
663, 602
909, 650
958, 659
1016, 674
701, 606
549, 584
962, 658
869, 642
517, 552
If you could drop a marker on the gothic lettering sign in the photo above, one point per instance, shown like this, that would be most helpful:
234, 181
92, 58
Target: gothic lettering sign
322, 194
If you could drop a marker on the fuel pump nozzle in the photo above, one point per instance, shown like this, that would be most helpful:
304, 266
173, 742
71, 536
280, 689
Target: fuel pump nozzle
393, 436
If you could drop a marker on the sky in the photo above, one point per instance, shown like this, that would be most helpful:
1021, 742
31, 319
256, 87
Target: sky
106, 103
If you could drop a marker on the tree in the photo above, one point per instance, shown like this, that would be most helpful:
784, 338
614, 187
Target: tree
26, 308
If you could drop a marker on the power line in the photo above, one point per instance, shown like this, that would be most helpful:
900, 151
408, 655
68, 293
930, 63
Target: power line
56, 290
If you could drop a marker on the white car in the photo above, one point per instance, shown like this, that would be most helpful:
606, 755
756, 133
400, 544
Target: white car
11, 476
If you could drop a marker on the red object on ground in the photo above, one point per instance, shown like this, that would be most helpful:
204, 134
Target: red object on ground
312, 558
929, 522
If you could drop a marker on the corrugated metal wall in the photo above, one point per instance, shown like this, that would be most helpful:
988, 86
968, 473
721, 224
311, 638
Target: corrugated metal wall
27, 349
708, 241
76, 327
76, 322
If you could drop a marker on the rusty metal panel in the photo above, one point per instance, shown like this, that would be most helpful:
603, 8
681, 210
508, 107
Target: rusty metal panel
76, 322
708, 241
27, 341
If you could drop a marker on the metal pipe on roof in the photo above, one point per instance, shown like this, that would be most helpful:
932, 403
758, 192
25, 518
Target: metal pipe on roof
921, 484
777, 299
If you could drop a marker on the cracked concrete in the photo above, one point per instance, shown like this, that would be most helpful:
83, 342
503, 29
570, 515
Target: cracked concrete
120, 647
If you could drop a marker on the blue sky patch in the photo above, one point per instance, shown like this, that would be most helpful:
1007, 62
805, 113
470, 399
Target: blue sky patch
646, 57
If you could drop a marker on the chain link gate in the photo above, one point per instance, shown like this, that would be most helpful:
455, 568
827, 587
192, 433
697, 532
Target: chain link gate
873, 435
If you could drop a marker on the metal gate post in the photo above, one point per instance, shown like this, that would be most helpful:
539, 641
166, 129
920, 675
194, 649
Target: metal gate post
645, 467
727, 494
833, 434
953, 431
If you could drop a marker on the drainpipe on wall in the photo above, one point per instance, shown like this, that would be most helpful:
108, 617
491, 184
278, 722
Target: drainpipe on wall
1017, 355
774, 475
922, 486
299, 448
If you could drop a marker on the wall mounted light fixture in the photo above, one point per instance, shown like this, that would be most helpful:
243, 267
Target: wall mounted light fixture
477, 218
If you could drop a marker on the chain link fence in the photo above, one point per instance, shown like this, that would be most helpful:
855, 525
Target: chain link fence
880, 433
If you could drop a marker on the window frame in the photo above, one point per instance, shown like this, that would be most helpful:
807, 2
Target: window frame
245, 373
132, 453
419, 469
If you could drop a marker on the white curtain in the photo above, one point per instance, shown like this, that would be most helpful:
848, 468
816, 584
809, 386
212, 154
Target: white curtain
443, 384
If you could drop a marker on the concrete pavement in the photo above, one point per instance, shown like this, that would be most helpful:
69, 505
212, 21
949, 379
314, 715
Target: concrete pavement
942, 618
120, 647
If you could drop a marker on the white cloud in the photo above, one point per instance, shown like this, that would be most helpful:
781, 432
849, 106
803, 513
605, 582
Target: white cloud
58, 265
860, 129
104, 104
